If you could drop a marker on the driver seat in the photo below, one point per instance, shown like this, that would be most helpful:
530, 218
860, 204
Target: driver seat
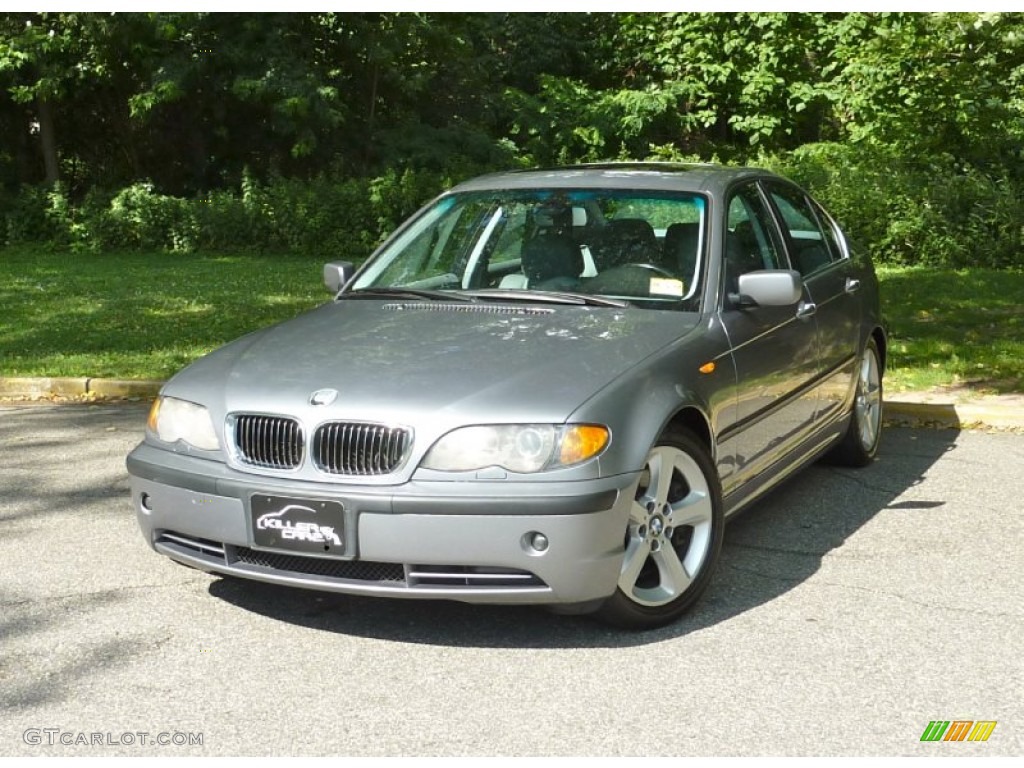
625, 241
552, 261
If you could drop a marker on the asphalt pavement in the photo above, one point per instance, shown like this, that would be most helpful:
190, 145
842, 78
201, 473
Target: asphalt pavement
850, 609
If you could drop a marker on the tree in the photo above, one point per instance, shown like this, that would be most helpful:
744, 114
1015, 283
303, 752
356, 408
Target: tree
73, 69
930, 84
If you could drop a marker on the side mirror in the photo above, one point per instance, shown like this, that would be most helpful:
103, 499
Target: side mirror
337, 273
769, 288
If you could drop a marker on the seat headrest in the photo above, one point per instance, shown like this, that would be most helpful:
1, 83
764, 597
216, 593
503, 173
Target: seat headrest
680, 248
550, 255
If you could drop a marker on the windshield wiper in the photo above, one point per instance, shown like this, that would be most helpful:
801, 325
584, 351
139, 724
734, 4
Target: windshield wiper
403, 293
552, 297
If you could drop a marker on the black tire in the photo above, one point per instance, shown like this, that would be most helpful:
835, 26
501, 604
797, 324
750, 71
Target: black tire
663, 533
859, 445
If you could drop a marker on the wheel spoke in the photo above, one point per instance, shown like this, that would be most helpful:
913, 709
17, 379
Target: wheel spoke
638, 513
873, 394
694, 558
867, 432
637, 552
674, 578
662, 466
693, 509
865, 369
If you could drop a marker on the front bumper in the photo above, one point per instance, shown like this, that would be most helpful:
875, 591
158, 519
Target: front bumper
468, 541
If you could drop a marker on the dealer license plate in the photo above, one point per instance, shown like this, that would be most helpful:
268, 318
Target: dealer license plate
300, 525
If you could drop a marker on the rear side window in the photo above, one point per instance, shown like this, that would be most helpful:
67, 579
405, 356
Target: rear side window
833, 237
811, 246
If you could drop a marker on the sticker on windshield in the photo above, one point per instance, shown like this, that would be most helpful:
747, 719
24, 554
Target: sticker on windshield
666, 286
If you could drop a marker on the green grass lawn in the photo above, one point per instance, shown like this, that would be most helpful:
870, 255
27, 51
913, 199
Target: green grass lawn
954, 329
144, 316
139, 315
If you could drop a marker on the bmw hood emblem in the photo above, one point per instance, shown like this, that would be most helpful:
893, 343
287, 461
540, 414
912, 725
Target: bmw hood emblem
323, 397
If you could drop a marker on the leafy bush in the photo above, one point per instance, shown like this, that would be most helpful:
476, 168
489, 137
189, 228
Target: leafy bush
325, 217
909, 211
904, 210
396, 196
28, 217
139, 217
225, 222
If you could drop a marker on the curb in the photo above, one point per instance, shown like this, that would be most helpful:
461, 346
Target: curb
897, 412
27, 388
951, 415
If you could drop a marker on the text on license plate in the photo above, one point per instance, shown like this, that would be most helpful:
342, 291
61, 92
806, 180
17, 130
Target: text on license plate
302, 525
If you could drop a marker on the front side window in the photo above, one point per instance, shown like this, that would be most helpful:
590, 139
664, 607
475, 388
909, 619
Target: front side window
751, 238
641, 247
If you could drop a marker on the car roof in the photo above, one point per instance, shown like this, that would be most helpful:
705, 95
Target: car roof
693, 177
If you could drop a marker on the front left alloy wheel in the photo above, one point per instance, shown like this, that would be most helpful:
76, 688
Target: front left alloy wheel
673, 536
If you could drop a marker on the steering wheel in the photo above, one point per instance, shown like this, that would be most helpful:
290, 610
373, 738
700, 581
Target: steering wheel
653, 268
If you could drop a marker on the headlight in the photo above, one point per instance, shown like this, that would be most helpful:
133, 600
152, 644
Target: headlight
516, 447
172, 420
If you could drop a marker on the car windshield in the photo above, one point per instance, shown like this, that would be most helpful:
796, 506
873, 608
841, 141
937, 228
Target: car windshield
588, 245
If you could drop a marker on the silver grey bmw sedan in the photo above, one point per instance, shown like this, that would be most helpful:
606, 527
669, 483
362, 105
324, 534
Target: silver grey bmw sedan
548, 387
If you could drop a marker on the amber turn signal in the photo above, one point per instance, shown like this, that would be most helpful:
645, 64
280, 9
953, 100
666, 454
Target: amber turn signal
581, 442
154, 414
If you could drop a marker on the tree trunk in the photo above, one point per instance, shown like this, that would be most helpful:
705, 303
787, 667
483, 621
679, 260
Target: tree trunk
371, 118
49, 141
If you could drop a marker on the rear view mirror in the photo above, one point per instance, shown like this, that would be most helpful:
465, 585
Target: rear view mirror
337, 273
769, 288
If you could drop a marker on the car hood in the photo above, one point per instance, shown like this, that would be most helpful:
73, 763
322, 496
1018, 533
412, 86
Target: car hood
461, 363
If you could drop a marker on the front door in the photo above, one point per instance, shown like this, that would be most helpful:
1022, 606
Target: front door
775, 349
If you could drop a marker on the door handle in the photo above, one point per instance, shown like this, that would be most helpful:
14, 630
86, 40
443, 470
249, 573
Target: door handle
852, 285
806, 310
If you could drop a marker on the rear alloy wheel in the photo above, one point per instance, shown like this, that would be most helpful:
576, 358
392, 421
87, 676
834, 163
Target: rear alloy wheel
673, 536
860, 444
